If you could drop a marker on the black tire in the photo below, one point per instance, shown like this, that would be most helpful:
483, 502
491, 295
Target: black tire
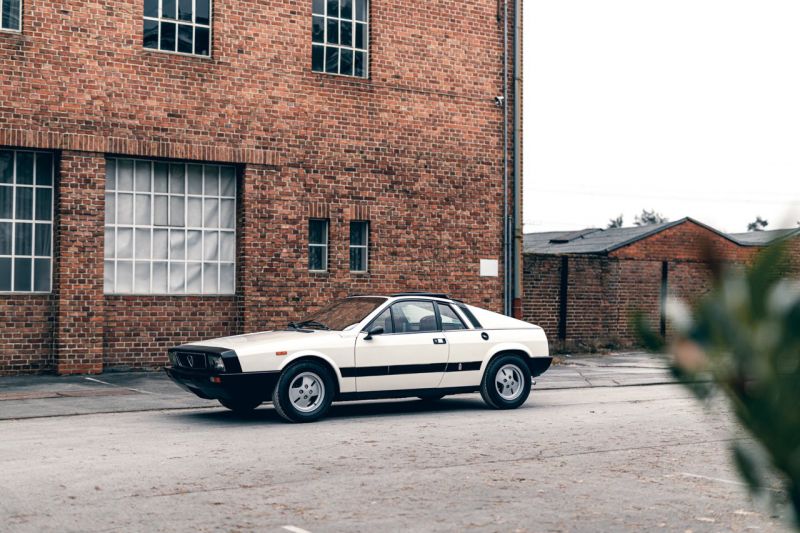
431, 397
241, 405
281, 399
510, 364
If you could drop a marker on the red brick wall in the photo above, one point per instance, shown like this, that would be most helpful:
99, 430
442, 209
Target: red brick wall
78, 68
541, 282
605, 292
416, 149
586, 301
137, 329
26, 333
78, 270
684, 242
415, 243
689, 281
637, 291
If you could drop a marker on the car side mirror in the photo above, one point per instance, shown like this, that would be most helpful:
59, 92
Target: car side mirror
377, 330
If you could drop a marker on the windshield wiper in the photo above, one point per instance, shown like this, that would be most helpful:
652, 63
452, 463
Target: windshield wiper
308, 323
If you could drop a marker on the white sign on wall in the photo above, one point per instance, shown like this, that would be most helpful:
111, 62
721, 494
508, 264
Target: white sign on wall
489, 268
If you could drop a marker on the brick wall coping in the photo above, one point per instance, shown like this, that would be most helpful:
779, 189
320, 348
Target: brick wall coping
80, 142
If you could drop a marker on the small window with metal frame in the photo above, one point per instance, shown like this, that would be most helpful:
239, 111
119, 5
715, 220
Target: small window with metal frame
318, 245
339, 36
359, 246
11, 15
181, 26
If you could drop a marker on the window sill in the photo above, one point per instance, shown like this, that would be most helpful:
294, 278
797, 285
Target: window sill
323, 76
162, 295
25, 293
343, 76
178, 54
10, 31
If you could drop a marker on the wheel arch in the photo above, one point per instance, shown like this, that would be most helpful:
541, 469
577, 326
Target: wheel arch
317, 358
536, 365
507, 349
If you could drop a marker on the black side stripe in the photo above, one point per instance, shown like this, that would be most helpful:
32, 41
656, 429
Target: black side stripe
394, 370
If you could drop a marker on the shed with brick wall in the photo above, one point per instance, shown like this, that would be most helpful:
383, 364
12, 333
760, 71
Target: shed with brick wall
583, 287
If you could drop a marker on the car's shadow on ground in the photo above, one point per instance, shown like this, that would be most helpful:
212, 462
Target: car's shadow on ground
266, 413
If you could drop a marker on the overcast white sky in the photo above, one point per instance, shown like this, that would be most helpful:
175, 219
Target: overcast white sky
688, 107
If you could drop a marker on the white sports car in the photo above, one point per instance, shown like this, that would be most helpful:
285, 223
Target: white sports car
364, 347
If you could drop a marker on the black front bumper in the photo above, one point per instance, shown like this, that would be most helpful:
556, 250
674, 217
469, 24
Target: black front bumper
229, 386
205, 382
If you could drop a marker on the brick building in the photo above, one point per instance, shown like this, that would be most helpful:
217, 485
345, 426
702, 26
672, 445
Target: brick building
583, 287
170, 171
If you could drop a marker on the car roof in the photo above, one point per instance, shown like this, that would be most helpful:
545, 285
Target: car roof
399, 295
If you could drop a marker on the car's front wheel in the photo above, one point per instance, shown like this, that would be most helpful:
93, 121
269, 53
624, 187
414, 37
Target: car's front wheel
506, 383
304, 392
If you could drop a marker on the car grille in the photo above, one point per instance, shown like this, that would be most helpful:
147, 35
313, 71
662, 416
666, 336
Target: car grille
193, 360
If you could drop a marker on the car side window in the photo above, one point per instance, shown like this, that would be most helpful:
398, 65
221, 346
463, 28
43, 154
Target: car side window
384, 320
450, 320
413, 317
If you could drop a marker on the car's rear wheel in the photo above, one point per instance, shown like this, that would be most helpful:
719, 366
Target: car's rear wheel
241, 405
506, 383
304, 392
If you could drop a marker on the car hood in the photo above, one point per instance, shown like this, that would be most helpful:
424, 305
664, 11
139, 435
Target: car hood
266, 341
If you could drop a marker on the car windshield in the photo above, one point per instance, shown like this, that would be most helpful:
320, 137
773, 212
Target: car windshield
339, 315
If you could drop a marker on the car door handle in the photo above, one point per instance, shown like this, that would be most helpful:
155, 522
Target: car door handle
439, 341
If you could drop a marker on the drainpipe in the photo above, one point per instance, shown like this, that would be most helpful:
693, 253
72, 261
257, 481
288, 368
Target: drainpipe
507, 290
517, 176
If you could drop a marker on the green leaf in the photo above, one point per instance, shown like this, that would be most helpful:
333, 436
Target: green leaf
747, 467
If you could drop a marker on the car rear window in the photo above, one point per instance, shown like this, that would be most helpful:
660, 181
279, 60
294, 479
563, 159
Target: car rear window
471, 317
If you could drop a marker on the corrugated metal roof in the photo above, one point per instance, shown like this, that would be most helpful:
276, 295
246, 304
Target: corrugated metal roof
762, 238
600, 241
588, 241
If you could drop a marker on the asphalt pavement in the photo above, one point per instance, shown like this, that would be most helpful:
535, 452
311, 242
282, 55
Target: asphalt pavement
604, 444
43, 396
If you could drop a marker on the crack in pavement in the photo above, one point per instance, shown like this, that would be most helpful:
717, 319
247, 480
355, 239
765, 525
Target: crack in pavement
583, 377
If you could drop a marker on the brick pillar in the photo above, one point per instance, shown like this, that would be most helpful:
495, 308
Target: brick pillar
254, 211
80, 212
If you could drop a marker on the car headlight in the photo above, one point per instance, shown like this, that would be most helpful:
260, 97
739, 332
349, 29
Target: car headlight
171, 357
215, 363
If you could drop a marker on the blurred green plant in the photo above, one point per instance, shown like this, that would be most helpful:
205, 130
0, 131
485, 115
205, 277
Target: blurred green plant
743, 340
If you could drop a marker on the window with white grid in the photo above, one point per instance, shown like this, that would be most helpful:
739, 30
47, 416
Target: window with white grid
340, 37
26, 220
170, 228
182, 26
11, 15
